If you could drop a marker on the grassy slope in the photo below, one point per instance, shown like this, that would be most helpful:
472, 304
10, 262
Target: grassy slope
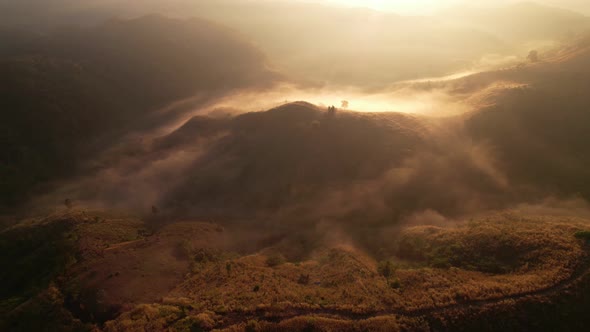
47, 249
287, 156
342, 287
182, 276
534, 117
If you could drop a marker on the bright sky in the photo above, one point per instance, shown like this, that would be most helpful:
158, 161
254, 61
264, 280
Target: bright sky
399, 6
425, 7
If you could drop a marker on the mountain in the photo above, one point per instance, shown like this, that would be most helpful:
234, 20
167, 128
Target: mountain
522, 22
523, 141
317, 44
539, 129
290, 154
311, 43
70, 92
345, 46
140, 201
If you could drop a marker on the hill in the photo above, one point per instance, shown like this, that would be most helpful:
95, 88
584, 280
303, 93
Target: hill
287, 155
522, 22
533, 117
387, 47
343, 46
70, 93
300, 217
447, 278
539, 128
299, 163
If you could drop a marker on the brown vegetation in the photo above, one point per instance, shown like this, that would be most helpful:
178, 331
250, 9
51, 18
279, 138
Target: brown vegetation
335, 287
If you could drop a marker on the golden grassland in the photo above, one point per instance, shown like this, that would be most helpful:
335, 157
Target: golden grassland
540, 252
127, 277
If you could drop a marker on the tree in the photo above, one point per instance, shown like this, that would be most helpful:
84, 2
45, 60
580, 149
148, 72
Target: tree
533, 56
68, 203
303, 279
345, 104
386, 268
331, 111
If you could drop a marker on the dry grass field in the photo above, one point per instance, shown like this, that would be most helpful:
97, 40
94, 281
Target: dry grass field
119, 274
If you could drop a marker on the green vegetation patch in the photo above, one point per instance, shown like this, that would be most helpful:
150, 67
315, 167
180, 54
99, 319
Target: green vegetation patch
33, 256
583, 235
489, 251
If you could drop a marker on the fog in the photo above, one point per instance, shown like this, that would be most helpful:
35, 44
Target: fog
267, 165
231, 117
338, 44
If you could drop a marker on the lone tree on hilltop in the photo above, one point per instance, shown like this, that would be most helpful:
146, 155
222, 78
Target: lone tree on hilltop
331, 111
533, 56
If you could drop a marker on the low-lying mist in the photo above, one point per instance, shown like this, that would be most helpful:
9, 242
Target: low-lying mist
400, 98
344, 136
300, 176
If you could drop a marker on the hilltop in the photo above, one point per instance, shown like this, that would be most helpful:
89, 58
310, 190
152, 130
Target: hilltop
154, 209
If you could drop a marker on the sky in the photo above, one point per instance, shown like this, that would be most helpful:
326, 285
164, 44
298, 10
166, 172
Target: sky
425, 7
399, 6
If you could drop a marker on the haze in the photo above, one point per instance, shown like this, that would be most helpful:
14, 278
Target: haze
429, 7
267, 166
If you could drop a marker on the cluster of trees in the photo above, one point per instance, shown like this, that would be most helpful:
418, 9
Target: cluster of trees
331, 110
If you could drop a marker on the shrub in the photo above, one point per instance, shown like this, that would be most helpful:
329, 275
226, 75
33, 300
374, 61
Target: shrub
386, 268
583, 235
43, 251
228, 268
188, 324
303, 279
252, 326
412, 248
275, 260
206, 255
395, 284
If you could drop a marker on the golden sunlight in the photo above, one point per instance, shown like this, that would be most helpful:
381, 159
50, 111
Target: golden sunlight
294, 165
399, 6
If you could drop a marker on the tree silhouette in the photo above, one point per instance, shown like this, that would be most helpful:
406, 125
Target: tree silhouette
533, 56
68, 203
331, 111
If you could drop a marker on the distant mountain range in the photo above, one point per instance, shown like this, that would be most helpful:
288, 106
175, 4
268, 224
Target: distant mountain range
72, 93
66, 94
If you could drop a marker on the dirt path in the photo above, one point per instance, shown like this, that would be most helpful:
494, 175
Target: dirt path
123, 244
581, 271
